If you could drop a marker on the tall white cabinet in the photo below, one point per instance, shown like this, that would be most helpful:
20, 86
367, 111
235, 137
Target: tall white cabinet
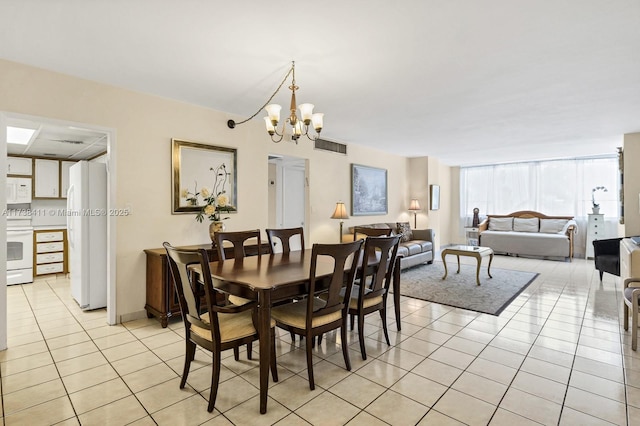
595, 231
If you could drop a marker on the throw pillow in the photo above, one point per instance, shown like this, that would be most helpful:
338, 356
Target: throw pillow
501, 224
525, 224
404, 229
552, 226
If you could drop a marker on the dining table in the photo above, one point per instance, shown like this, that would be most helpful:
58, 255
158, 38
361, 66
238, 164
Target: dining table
269, 279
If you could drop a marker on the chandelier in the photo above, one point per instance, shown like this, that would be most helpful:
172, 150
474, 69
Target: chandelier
299, 126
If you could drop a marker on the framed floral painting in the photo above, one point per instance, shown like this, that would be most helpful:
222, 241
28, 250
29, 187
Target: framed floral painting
368, 190
201, 173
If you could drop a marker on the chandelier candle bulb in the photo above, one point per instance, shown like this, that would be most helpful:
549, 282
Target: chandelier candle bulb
306, 111
274, 113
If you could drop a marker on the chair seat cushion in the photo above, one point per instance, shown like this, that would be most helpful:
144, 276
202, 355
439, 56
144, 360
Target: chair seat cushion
368, 302
295, 314
628, 293
232, 326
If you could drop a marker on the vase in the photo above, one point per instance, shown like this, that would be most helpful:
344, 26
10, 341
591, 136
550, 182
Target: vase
215, 227
596, 210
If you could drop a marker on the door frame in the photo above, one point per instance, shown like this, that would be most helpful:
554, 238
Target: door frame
111, 220
282, 162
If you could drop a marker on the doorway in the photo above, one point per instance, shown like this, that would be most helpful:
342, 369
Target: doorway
65, 135
288, 192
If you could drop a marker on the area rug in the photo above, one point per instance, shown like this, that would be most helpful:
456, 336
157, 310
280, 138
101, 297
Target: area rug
492, 296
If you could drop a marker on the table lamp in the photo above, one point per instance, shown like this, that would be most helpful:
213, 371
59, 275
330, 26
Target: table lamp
415, 207
340, 213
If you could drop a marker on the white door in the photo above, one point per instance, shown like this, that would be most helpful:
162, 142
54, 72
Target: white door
289, 199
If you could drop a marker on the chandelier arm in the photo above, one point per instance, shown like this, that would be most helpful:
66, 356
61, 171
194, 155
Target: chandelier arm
232, 123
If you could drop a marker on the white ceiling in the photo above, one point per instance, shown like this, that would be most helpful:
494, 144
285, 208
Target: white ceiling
466, 81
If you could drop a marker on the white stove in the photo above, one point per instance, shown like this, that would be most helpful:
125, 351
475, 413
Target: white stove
19, 250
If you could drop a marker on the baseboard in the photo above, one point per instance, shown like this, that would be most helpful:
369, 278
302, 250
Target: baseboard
132, 316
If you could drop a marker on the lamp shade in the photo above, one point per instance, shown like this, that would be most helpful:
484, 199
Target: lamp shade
415, 205
340, 212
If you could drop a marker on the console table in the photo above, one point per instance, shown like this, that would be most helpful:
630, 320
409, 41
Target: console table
162, 300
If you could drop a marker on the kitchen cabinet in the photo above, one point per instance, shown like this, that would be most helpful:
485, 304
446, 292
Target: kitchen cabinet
19, 166
47, 178
51, 254
51, 178
162, 300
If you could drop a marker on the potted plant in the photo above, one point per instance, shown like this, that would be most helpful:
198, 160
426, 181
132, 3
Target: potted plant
216, 201
595, 206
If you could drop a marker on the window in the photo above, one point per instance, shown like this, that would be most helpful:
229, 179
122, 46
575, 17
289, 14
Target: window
558, 187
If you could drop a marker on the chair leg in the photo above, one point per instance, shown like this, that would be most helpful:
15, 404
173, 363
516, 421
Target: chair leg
601, 272
345, 347
319, 339
249, 350
215, 379
363, 350
236, 353
352, 318
293, 336
189, 355
383, 317
626, 316
274, 367
309, 344
634, 324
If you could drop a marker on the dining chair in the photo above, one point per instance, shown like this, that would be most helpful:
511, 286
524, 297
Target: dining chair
220, 327
631, 295
314, 316
237, 239
371, 232
284, 236
369, 294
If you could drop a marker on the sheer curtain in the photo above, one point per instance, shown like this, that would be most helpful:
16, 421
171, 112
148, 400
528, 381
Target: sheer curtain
557, 187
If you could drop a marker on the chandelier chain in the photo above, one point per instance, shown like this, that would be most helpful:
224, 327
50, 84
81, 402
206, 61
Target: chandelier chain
273, 95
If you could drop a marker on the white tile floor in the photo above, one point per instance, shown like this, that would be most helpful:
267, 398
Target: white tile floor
557, 355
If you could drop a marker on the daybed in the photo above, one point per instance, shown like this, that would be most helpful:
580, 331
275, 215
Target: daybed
529, 233
416, 245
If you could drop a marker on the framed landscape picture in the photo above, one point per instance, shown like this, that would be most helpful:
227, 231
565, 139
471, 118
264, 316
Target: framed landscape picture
434, 195
368, 190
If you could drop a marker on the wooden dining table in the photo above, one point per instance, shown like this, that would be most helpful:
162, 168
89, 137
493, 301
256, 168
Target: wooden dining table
270, 278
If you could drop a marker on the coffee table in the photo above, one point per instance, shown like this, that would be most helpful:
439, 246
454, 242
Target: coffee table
469, 251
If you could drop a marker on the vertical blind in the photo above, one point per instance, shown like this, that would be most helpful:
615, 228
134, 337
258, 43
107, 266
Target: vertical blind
556, 187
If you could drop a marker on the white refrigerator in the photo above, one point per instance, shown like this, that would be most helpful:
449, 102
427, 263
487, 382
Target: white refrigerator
87, 233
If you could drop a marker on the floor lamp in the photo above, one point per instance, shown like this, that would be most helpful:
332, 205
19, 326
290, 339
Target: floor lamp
340, 213
415, 207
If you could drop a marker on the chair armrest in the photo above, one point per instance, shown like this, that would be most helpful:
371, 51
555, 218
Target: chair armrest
629, 281
484, 225
424, 234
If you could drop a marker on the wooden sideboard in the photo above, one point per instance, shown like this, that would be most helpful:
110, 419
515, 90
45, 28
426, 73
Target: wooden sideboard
162, 301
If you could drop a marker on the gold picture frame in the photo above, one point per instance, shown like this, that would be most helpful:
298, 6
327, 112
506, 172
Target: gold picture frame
193, 165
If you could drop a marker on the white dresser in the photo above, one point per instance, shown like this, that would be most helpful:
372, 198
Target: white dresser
629, 259
595, 231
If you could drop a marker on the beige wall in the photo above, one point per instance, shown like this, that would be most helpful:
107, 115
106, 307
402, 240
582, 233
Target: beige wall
144, 127
631, 184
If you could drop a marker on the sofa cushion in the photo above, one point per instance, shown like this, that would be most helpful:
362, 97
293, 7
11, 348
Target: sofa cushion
552, 226
404, 229
530, 224
501, 224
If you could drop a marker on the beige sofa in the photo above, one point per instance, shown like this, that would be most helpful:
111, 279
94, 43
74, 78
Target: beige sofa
529, 233
416, 246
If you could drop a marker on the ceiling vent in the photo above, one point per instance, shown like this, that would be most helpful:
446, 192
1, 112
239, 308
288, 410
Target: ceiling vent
326, 145
72, 142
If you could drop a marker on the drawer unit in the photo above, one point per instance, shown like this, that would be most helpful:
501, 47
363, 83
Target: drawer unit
48, 247
595, 231
46, 236
51, 251
49, 268
50, 257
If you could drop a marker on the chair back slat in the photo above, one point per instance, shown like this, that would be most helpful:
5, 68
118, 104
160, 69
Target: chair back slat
343, 255
238, 240
375, 281
371, 232
285, 237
